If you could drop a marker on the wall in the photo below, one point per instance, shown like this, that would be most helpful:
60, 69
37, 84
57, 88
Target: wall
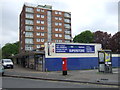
55, 64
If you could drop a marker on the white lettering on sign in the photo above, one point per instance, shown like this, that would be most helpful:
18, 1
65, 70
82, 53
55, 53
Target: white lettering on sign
76, 50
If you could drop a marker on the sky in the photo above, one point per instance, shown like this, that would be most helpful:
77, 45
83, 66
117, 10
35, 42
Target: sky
90, 15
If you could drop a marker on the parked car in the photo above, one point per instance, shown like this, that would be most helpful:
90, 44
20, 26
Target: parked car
7, 63
1, 70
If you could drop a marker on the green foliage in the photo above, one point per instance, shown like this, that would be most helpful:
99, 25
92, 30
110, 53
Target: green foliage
84, 37
10, 49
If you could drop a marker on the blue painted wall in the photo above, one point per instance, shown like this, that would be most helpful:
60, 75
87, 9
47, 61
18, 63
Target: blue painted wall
55, 64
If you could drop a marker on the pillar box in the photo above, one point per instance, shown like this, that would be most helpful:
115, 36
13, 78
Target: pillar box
64, 65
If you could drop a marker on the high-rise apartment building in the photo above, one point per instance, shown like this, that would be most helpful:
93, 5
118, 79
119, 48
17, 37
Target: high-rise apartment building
39, 24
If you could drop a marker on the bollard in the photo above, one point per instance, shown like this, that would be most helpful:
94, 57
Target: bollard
64, 66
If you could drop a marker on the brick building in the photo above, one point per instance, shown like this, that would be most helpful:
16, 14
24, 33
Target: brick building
40, 24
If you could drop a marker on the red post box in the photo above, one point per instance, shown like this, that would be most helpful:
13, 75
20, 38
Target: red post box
64, 65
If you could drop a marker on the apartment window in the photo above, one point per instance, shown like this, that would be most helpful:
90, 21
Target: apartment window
42, 16
56, 35
60, 13
56, 12
60, 40
28, 47
37, 46
56, 18
37, 27
28, 15
29, 22
42, 34
28, 41
60, 18
60, 24
38, 21
67, 15
38, 9
56, 24
67, 25
60, 29
42, 40
38, 33
28, 9
28, 34
67, 20
67, 41
42, 22
67, 32
28, 28
38, 15
56, 40
60, 35
37, 40
67, 37
42, 10
42, 28
56, 29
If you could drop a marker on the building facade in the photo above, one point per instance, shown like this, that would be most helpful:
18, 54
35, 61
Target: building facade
40, 24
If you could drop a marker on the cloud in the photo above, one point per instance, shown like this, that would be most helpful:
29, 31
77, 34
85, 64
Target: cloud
86, 15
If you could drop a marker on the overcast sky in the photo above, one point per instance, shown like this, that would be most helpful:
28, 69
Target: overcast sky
91, 15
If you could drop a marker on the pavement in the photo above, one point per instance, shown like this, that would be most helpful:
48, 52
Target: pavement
79, 76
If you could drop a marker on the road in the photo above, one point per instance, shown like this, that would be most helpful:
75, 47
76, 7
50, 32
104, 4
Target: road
9, 82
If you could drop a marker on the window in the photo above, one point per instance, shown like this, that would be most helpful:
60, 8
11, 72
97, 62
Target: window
42, 16
37, 46
60, 13
60, 40
38, 15
28, 47
37, 27
67, 32
56, 24
67, 41
56, 12
37, 40
42, 34
42, 22
28, 15
38, 21
28, 41
56, 29
67, 15
28, 9
38, 33
56, 18
29, 22
67, 25
42, 10
60, 35
60, 24
42, 28
60, 29
56, 35
29, 28
38, 9
67, 37
28, 34
42, 40
67, 20
60, 18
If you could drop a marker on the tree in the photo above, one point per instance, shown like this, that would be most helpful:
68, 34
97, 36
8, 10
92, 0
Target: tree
102, 38
84, 37
115, 43
10, 49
